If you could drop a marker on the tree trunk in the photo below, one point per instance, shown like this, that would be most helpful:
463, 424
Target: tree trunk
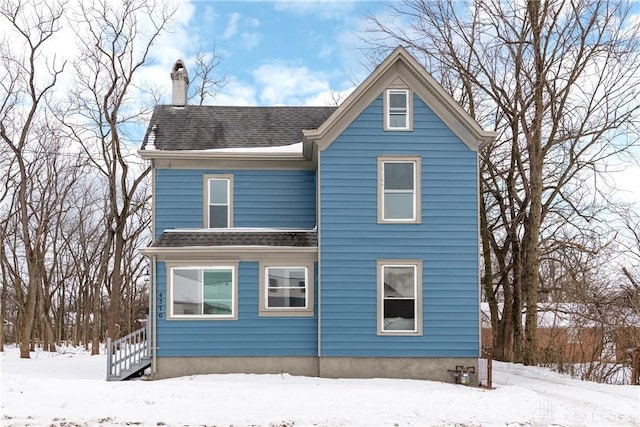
534, 219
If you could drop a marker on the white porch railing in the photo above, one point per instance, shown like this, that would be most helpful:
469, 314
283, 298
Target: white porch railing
128, 355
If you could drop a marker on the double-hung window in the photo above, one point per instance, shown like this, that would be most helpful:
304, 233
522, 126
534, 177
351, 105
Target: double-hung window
397, 109
399, 297
204, 292
218, 201
399, 189
286, 289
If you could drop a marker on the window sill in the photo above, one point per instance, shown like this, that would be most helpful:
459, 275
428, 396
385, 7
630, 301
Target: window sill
285, 313
396, 221
216, 318
399, 334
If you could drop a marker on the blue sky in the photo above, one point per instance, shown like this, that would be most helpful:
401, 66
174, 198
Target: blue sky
302, 52
277, 53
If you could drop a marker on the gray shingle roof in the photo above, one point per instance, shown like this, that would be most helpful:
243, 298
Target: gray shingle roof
173, 239
200, 127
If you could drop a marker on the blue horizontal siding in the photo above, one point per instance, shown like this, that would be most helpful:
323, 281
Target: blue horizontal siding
352, 240
249, 335
262, 198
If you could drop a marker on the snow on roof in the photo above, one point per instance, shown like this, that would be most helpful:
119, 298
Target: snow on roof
291, 148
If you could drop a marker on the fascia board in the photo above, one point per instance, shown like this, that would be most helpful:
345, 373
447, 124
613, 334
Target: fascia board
238, 253
402, 64
148, 251
207, 154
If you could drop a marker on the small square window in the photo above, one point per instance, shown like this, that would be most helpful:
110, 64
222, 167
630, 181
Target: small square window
286, 289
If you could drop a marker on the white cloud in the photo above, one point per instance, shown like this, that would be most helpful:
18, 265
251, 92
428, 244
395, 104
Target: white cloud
331, 98
251, 40
323, 9
326, 51
232, 26
281, 84
236, 92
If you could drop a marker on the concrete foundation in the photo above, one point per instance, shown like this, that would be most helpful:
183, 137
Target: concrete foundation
170, 367
420, 368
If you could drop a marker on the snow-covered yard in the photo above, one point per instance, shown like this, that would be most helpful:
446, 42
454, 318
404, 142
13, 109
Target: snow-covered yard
68, 389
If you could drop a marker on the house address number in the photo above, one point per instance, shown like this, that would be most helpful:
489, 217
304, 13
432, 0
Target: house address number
160, 305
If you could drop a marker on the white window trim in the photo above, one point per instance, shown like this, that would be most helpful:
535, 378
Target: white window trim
387, 110
206, 194
417, 189
185, 266
417, 264
265, 311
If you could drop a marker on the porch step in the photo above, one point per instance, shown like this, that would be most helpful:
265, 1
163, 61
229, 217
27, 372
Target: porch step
128, 356
136, 369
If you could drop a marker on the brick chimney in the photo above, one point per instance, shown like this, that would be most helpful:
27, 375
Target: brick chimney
180, 80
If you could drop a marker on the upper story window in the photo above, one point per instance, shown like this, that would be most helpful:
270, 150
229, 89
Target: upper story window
218, 209
397, 107
399, 189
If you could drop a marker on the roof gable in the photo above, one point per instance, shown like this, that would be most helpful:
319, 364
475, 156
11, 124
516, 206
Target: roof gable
400, 65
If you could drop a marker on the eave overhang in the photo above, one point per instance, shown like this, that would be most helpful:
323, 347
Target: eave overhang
202, 159
212, 155
231, 253
400, 64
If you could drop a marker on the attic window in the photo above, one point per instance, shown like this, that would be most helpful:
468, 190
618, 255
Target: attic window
397, 109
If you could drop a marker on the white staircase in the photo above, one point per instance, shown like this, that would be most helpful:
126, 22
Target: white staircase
128, 356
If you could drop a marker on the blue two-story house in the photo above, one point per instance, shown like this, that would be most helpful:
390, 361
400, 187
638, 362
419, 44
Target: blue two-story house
320, 241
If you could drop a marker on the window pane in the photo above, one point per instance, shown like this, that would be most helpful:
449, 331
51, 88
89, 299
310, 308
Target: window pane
399, 298
218, 217
398, 206
398, 176
397, 120
404, 308
287, 277
218, 292
218, 284
286, 297
398, 100
399, 315
286, 287
186, 293
399, 282
218, 191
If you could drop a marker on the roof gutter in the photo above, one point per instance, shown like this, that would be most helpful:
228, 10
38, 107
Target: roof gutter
208, 154
150, 251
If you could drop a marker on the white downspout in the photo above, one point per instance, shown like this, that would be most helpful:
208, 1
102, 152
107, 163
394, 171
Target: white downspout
153, 318
479, 249
319, 284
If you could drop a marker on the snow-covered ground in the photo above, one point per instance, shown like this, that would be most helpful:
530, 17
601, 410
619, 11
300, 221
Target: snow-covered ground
69, 389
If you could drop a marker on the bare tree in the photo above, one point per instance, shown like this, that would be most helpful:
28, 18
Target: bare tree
104, 111
559, 81
205, 83
25, 86
631, 261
